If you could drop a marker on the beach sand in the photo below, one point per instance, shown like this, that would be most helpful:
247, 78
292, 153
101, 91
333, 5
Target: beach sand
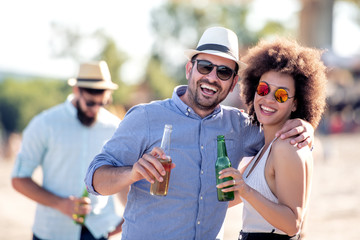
334, 211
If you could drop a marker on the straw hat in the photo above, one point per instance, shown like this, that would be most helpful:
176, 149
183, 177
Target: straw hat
218, 41
95, 75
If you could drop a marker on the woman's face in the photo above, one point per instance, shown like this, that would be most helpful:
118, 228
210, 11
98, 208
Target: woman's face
276, 100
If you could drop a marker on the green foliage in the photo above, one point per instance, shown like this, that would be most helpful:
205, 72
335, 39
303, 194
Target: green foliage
20, 101
161, 83
273, 28
67, 41
115, 58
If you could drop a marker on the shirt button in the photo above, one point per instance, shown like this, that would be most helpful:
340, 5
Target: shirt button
187, 114
189, 110
198, 222
202, 147
202, 172
201, 198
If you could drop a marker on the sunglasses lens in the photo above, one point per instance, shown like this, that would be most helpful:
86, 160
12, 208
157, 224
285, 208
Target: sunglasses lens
263, 89
224, 73
204, 67
281, 95
90, 104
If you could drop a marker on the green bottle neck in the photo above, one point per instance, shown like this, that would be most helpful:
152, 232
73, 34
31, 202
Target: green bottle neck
221, 148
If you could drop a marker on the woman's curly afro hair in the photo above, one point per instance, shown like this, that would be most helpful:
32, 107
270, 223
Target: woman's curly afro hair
302, 63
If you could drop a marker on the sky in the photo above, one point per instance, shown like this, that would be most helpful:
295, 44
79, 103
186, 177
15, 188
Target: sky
25, 30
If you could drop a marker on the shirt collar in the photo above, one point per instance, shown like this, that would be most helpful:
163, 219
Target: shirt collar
69, 106
188, 111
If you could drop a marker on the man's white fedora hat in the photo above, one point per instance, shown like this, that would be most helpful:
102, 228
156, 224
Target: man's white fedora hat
94, 75
218, 41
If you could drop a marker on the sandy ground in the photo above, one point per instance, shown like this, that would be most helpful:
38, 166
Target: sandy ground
334, 211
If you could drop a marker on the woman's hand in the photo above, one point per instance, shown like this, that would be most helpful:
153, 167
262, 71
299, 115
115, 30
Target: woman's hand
237, 184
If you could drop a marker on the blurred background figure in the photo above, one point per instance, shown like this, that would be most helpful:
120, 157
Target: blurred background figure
63, 140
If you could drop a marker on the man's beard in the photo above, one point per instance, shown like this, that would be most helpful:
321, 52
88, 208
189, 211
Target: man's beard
197, 99
83, 118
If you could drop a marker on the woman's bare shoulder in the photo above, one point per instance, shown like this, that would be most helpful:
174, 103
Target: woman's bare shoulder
283, 150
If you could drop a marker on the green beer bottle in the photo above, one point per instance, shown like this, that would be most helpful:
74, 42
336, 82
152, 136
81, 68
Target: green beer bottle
222, 162
85, 194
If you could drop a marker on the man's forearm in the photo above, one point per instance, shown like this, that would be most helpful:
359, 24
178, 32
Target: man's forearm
35, 192
108, 180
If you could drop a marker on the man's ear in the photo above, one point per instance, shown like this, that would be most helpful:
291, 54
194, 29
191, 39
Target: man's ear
235, 81
76, 91
188, 68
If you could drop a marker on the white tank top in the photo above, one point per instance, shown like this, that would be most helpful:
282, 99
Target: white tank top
252, 220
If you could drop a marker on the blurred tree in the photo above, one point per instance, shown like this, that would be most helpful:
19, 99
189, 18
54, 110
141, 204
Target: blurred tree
115, 59
316, 20
21, 100
356, 2
68, 41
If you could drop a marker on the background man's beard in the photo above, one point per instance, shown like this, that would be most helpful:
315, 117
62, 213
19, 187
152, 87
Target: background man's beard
83, 118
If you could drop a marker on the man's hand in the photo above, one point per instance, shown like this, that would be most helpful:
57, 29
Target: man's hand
108, 180
75, 207
301, 132
149, 167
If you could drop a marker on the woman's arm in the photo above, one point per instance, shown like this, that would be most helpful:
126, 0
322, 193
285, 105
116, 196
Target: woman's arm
290, 188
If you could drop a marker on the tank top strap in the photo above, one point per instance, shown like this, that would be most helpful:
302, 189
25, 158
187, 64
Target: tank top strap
264, 158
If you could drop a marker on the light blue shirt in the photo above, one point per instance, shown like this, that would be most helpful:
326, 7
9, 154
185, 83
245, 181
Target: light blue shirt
56, 141
191, 209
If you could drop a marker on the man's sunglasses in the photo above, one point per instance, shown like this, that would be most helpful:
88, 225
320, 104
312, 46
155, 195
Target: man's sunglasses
281, 95
90, 103
205, 67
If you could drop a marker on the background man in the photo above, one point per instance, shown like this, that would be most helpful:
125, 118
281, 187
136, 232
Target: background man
63, 140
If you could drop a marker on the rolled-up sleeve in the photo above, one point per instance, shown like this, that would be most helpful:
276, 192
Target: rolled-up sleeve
129, 142
33, 148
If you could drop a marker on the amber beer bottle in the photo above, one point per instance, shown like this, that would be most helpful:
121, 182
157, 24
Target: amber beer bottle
82, 216
222, 162
161, 188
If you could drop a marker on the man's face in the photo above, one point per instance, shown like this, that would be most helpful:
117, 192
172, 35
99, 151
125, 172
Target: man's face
206, 91
88, 106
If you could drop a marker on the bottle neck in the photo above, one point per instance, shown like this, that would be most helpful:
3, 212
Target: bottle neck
221, 148
165, 142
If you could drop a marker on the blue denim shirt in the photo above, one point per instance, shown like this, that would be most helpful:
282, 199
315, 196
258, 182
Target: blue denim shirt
191, 209
57, 142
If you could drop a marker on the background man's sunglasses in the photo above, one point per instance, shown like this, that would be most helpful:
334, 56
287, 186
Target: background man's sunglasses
90, 103
205, 67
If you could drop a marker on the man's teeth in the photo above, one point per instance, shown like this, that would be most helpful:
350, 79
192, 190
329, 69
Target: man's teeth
208, 87
267, 109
